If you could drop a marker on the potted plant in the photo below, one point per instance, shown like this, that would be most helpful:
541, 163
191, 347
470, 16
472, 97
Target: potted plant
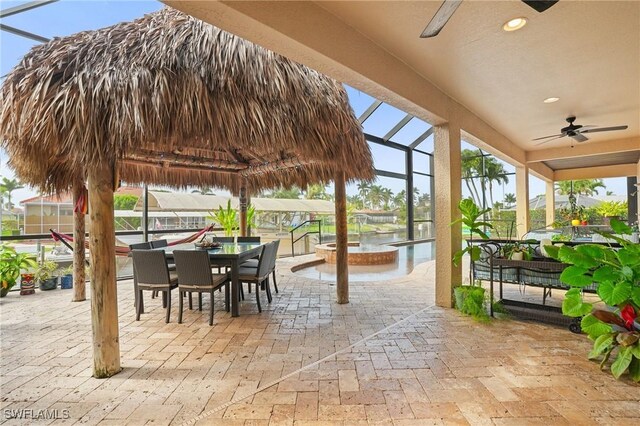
66, 277
11, 263
227, 219
45, 275
616, 272
470, 298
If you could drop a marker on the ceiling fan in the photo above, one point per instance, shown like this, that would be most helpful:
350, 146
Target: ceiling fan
448, 7
577, 131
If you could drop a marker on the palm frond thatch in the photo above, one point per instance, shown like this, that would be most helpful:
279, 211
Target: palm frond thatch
172, 100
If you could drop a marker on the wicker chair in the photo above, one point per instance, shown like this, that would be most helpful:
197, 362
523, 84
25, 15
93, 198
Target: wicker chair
151, 273
259, 275
253, 263
140, 246
194, 273
158, 243
248, 239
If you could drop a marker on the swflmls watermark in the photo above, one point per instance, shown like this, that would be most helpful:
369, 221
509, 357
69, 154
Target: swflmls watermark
31, 414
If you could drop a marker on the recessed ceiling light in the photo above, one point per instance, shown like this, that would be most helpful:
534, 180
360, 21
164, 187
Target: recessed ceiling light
551, 100
514, 24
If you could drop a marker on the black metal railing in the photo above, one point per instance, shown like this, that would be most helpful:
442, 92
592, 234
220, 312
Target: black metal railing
305, 223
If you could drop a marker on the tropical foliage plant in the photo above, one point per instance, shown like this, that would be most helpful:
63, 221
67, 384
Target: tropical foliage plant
472, 219
470, 299
616, 272
227, 218
11, 263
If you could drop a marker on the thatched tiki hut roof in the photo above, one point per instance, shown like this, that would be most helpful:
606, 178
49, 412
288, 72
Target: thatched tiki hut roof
169, 99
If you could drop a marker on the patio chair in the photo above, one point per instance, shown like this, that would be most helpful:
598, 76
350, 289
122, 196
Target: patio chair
194, 274
151, 273
158, 243
248, 239
138, 246
172, 267
253, 263
259, 275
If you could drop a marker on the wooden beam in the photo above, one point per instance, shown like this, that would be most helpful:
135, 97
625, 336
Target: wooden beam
342, 240
179, 167
79, 287
287, 163
585, 149
184, 160
600, 172
104, 299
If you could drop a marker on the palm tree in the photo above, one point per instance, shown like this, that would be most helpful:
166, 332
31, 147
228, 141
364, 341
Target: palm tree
317, 192
387, 196
8, 186
400, 200
375, 196
355, 201
290, 193
471, 167
363, 191
509, 199
204, 190
494, 172
586, 187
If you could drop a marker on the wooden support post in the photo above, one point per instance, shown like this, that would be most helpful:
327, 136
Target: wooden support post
104, 299
342, 240
243, 210
79, 288
550, 203
448, 192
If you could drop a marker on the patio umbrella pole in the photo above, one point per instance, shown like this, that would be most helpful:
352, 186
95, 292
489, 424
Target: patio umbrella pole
342, 238
79, 288
243, 210
104, 301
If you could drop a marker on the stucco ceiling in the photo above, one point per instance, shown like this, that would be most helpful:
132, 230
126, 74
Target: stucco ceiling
586, 53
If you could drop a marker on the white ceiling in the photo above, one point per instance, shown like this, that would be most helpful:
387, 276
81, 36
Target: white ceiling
586, 53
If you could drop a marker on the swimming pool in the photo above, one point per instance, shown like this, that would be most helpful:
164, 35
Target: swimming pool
408, 257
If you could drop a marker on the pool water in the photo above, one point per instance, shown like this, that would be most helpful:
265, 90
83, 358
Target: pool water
408, 257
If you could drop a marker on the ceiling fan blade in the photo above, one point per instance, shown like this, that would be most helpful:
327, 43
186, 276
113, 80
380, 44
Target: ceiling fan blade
579, 137
549, 140
540, 5
604, 129
552, 136
442, 16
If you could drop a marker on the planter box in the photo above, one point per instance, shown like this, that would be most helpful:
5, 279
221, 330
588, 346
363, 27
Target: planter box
49, 284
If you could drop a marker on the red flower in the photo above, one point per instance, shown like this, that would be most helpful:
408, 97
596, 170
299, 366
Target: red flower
628, 314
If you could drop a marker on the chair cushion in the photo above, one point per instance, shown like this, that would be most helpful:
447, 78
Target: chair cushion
251, 263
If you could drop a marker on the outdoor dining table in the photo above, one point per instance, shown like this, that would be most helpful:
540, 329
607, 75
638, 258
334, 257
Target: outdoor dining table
228, 254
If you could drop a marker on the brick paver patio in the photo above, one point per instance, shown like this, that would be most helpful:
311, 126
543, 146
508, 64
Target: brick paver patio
388, 357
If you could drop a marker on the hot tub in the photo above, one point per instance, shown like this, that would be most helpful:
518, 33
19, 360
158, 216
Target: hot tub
360, 255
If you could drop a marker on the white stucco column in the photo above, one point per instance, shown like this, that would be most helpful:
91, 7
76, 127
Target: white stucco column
550, 202
522, 200
638, 189
448, 192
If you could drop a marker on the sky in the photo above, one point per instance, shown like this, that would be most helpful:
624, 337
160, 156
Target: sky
70, 16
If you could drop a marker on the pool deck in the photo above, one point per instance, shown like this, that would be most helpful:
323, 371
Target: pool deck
389, 357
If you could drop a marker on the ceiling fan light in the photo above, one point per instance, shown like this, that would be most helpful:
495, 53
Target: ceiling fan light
551, 100
514, 24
